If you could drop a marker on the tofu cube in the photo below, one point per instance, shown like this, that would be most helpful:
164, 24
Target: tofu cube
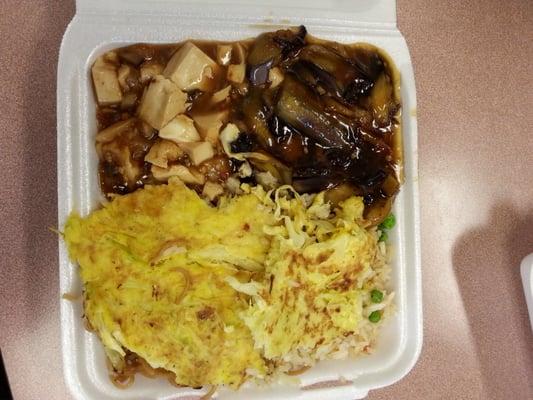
224, 53
190, 68
180, 171
209, 125
161, 102
180, 129
198, 152
162, 152
212, 190
105, 81
236, 73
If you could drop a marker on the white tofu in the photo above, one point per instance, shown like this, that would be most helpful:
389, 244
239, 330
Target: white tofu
209, 125
212, 190
180, 171
224, 53
198, 152
236, 73
180, 129
190, 68
123, 73
161, 102
106, 84
162, 152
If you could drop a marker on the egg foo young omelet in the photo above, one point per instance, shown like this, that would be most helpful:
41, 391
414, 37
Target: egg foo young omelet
250, 186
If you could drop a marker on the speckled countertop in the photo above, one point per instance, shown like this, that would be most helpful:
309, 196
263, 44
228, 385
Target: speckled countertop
473, 71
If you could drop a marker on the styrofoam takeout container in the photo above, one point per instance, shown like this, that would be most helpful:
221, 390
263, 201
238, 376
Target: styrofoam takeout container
100, 25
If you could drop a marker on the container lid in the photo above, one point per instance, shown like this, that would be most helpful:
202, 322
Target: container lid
371, 12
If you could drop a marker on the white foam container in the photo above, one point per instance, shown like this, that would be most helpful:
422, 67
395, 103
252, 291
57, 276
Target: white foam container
100, 25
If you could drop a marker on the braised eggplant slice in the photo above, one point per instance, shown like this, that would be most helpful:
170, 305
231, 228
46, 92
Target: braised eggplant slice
269, 49
301, 108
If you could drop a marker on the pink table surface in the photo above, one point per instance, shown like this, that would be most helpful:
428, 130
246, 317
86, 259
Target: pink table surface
473, 66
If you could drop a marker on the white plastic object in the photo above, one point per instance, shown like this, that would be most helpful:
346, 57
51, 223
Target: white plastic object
100, 25
526, 270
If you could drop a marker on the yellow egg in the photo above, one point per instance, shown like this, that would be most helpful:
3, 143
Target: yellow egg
264, 281
153, 266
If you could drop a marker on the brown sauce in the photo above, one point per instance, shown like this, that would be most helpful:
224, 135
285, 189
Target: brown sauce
332, 123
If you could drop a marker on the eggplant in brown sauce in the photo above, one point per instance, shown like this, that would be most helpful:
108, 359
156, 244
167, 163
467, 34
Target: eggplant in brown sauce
270, 49
284, 108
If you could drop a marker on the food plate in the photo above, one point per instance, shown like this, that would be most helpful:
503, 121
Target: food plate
115, 23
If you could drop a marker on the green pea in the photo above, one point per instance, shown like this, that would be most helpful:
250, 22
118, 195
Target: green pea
388, 223
374, 316
383, 237
376, 296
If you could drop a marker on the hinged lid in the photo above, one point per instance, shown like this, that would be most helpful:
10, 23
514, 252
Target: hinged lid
379, 12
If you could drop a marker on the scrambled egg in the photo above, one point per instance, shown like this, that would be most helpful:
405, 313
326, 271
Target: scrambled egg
216, 294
